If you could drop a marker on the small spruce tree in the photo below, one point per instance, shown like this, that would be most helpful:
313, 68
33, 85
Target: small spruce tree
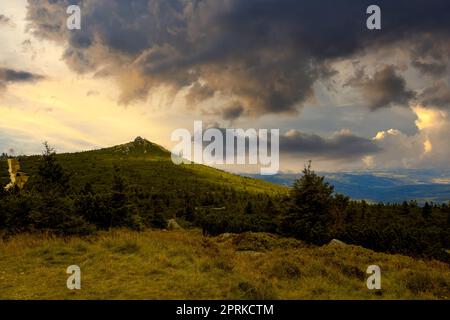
309, 209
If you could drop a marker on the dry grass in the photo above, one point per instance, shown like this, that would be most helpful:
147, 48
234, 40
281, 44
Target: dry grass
184, 265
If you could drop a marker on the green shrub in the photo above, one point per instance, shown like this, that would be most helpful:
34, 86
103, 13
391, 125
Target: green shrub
250, 241
285, 269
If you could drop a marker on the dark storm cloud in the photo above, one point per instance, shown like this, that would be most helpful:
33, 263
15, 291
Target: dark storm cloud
384, 89
198, 93
232, 112
436, 96
430, 55
341, 146
8, 76
266, 54
435, 69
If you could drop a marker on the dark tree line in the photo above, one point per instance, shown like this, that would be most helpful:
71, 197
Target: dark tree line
313, 212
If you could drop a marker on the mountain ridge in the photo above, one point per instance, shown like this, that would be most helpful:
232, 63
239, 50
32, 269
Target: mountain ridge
394, 186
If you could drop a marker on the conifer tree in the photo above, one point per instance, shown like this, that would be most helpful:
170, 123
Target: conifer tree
308, 213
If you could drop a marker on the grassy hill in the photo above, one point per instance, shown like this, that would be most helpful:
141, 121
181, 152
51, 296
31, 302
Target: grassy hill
149, 166
185, 265
155, 187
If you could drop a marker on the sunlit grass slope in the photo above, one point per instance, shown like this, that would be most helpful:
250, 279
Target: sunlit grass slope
186, 265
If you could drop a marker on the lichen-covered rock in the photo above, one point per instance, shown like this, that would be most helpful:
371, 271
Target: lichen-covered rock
18, 178
172, 224
336, 242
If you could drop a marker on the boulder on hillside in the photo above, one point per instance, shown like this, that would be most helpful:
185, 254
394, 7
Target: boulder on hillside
336, 242
172, 224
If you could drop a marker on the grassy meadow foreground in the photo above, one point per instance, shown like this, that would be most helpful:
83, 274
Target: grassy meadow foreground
185, 265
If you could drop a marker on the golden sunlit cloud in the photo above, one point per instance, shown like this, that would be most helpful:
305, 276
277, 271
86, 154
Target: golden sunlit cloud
369, 161
382, 134
428, 118
72, 119
427, 146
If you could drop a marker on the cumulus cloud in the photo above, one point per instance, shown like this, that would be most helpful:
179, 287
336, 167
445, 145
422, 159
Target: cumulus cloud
384, 89
428, 148
265, 54
9, 76
400, 150
342, 145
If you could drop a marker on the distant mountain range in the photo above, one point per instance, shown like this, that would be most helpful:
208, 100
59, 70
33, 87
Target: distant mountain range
390, 186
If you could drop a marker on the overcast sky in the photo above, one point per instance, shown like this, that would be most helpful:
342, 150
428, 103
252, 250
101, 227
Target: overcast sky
344, 96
